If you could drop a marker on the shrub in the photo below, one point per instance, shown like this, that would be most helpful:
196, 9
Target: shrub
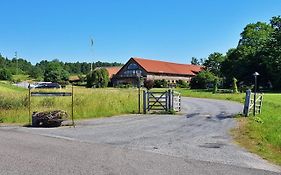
98, 78
160, 83
215, 88
182, 84
148, 84
202, 80
5, 74
234, 85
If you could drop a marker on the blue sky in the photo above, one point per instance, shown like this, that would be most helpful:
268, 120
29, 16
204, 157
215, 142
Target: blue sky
170, 30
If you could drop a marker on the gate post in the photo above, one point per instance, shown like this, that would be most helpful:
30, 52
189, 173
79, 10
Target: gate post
172, 100
247, 103
144, 101
167, 99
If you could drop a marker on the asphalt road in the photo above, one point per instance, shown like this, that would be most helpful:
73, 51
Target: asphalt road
196, 142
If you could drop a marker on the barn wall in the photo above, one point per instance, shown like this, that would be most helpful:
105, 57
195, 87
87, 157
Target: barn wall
169, 78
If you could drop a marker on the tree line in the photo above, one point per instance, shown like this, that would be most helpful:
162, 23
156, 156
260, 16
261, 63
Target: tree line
54, 70
258, 50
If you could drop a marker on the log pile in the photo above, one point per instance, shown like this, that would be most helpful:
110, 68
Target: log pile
48, 118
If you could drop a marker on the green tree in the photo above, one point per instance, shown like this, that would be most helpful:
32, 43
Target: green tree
36, 73
202, 80
5, 74
98, 78
195, 61
213, 63
54, 72
271, 54
243, 61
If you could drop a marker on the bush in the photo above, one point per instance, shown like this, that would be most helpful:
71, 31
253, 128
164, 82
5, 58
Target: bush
124, 85
182, 84
148, 84
234, 85
98, 78
202, 80
160, 83
5, 74
215, 88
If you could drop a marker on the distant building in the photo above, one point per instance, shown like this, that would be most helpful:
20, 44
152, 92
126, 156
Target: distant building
112, 70
154, 70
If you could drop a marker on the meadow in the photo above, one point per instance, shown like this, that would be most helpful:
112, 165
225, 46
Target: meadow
88, 103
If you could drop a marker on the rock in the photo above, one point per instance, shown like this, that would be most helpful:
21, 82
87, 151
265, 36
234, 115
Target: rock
48, 118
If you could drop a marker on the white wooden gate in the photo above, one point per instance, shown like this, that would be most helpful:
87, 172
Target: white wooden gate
161, 101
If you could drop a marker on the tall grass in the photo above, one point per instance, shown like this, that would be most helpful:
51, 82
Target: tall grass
88, 103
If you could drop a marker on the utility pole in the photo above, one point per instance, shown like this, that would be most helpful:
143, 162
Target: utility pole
92, 48
16, 56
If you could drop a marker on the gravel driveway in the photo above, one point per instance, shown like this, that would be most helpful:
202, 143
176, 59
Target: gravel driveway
200, 133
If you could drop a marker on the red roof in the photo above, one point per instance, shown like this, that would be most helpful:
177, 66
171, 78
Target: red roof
155, 66
112, 70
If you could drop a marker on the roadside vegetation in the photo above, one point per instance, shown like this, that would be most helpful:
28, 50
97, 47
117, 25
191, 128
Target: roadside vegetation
260, 134
88, 103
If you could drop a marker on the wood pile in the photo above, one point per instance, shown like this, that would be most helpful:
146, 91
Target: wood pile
49, 118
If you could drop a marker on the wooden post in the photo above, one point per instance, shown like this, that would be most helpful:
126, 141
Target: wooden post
179, 102
29, 105
147, 100
167, 100
247, 103
139, 95
72, 106
144, 101
172, 100
261, 103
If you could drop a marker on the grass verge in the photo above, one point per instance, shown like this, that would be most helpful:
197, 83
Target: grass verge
88, 103
260, 135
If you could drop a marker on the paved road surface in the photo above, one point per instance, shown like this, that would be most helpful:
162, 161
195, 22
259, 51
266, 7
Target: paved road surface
196, 142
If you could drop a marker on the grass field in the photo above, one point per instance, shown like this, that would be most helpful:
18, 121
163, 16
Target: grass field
88, 103
261, 134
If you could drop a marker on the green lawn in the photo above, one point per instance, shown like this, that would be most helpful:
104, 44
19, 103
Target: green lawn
88, 103
261, 134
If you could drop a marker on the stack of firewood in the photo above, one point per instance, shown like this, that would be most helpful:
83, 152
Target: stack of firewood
48, 118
